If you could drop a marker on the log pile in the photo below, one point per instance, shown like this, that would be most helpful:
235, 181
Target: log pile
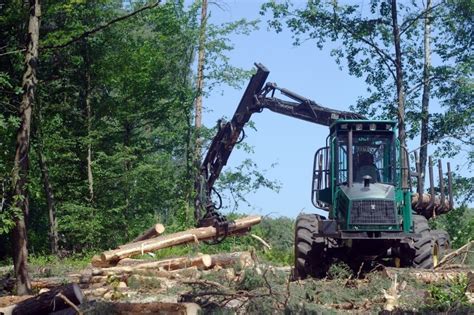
114, 272
148, 242
428, 205
117, 264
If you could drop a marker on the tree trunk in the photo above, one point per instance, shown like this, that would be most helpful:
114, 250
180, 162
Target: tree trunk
200, 77
87, 103
425, 101
48, 190
47, 302
188, 236
224, 260
153, 308
154, 231
201, 262
20, 171
400, 88
198, 102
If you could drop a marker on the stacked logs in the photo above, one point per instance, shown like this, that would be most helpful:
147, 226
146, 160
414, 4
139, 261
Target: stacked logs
145, 245
117, 264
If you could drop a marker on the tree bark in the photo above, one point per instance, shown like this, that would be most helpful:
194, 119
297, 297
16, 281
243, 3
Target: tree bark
241, 259
154, 231
153, 308
188, 236
201, 262
425, 100
424, 207
400, 88
200, 77
48, 190
48, 302
88, 108
21, 163
198, 102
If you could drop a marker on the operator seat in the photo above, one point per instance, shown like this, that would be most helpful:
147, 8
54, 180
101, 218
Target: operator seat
365, 167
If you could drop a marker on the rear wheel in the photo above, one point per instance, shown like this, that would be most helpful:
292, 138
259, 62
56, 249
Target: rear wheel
426, 249
442, 238
310, 249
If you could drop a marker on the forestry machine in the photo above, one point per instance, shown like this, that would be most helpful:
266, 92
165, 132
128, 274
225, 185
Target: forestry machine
361, 178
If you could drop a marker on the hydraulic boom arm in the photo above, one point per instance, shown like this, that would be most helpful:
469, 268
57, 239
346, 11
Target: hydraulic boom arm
257, 97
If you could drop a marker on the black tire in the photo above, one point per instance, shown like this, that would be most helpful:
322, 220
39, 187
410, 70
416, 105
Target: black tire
443, 240
309, 248
425, 246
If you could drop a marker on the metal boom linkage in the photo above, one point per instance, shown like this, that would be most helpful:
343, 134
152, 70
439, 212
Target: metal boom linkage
256, 97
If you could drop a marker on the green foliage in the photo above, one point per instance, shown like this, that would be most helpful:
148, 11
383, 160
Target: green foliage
446, 297
251, 280
126, 95
43, 265
339, 270
459, 223
144, 283
360, 37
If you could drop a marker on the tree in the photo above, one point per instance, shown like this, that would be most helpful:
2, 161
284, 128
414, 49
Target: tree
20, 170
384, 43
112, 138
200, 76
425, 100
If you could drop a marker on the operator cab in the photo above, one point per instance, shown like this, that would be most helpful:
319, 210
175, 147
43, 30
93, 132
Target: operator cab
373, 154
359, 149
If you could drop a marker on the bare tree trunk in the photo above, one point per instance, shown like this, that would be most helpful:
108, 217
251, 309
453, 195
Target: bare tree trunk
425, 101
400, 87
48, 190
200, 77
198, 102
20, 171
87, 101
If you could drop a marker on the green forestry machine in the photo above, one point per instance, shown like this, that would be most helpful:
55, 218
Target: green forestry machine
362, 178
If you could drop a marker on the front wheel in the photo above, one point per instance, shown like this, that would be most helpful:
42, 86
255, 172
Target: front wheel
310, 248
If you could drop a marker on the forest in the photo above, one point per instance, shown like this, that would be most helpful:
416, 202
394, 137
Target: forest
101, 106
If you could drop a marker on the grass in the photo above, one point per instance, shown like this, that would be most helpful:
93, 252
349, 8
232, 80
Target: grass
49, 265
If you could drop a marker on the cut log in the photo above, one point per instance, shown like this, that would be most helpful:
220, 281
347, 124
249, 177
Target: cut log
97, 261
40, 283
191, 272
151, 308
427, 276
420, 205
201, 262
192, 235
132, 262
238, 259
154, 231
47, 302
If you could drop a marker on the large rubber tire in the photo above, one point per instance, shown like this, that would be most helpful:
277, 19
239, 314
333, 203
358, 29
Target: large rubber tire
310, 254
426, 250
443, 240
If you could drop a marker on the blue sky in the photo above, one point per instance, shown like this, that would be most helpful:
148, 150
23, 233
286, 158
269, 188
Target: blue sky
288, 142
